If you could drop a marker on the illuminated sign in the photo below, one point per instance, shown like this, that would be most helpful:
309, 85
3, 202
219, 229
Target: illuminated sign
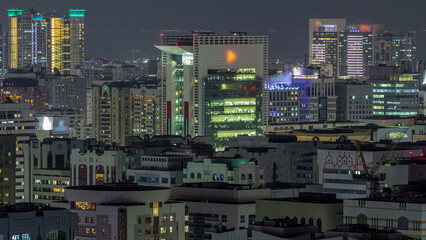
14, 12
45, 123
77, 12
85, 206
231, 56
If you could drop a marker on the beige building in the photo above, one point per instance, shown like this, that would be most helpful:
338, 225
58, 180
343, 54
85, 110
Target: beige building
218, 205
322, 210
98, 166
49, 185
125, 211
230, 170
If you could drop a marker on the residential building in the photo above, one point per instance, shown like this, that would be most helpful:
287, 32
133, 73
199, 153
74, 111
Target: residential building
319, 209
18, 120
54, 41
26, 90
218, 205
7, 169
36, 221
67, 92
125, 211
112, 112
230, 170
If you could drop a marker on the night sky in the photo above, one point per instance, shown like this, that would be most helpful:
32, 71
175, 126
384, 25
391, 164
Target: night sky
113, 27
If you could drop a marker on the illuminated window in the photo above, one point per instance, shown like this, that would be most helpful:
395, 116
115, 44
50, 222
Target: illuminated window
104, 231
163, 219
163, 230
87, 219
171, 230
93, 220
93, 231
104, 220
139, 232
79, 218
87, 230
172, 218
155, 209
147, 231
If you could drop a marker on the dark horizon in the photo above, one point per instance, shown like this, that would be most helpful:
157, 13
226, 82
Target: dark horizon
113, 31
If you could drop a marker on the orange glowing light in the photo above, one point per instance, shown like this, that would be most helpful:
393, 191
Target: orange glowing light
364, 28
231, 56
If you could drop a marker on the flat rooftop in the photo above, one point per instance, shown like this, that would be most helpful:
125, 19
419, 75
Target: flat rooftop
117, 187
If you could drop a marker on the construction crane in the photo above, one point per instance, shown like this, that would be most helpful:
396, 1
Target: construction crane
370, 174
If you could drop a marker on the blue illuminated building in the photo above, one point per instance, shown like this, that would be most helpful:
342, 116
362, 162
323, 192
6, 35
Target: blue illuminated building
301, 96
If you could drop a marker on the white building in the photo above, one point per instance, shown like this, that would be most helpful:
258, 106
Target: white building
336, 168
125, 211
97, 166
406, 214
234, 171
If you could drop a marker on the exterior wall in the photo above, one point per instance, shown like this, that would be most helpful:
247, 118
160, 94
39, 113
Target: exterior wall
7, 169
38, 225
49, 185
212, 214
336, 169
387, 214
105, 168
155, 177
330, 214
354, 101
207, 171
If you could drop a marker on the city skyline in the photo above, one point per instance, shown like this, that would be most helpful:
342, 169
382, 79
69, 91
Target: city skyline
285, 23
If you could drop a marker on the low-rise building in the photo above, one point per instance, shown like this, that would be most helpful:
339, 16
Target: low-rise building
36, 221
49, 184
218, 205
230, 170
125, 211
403, 212
99, 165
319, 209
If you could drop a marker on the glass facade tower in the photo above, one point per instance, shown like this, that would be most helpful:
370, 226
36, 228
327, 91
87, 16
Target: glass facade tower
233, 105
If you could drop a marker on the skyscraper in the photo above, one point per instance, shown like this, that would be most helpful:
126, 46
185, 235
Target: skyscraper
54, 41
187, 61
324, 42
355, 50
1, 49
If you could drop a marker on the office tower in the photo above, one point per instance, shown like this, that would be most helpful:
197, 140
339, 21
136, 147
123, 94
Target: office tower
232, 105
187, 62
394, 92
354, 101
67, 92
283, 99
54, 41
177, 85
7, 169
395, 49
355, 50
324, 42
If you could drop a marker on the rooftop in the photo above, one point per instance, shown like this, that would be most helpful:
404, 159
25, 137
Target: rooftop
117, 187
308, 197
